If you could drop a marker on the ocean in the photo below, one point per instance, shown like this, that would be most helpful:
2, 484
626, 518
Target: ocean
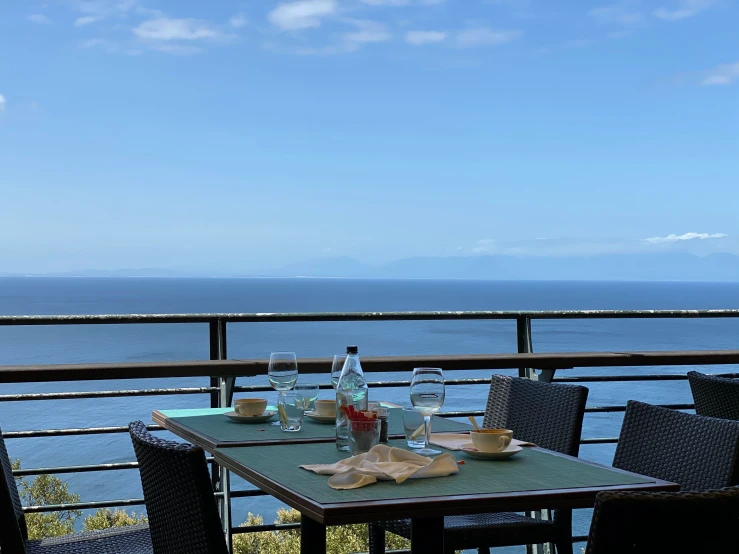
119, 343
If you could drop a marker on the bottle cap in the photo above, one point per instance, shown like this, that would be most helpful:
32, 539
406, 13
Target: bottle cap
352, 350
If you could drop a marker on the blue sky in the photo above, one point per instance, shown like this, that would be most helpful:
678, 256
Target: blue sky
247, 134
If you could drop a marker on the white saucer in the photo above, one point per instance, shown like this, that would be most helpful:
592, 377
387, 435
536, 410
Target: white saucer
235, 416
321, 418
502, 455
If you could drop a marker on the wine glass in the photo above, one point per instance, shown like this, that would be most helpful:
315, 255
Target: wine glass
336, 368
427, 396
282, 372
308, 392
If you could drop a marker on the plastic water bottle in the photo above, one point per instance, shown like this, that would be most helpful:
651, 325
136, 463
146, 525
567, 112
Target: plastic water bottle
351, 390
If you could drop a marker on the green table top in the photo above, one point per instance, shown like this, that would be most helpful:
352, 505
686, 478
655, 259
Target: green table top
531, 470
531, 480
210, 429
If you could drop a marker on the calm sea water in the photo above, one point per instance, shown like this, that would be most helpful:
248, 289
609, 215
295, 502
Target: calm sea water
116, 343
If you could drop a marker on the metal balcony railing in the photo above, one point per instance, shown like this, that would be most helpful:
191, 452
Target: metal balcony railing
222, 373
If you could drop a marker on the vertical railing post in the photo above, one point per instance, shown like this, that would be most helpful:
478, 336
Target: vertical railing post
221, 398
525, 345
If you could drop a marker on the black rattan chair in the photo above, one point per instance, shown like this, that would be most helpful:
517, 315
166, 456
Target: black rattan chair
547, 414
674, 522
697, 452
14, 535
715, 396
182, 510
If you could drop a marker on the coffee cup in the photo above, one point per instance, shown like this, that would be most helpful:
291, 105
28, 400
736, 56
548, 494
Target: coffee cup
250, 406
325, 407
491, 440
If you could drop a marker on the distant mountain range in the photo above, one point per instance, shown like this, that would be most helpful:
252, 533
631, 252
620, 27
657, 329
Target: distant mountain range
606, 267
610, 267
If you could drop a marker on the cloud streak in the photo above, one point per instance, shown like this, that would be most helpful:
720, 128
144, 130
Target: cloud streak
417, 38
39, 18
721, 75
673, 238
164, 28
484, 36
684, 9
303, 14
2, 103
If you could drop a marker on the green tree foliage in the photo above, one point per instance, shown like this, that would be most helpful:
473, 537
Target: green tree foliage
343, 539
105, 518
43, 490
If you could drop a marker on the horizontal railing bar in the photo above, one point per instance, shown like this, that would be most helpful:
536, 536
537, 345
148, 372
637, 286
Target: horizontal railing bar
66, 432
102, 394
608, 440
358, 316
265, 527
83, 505
460, 414
253, 368
622, 378
621, 408
81, 469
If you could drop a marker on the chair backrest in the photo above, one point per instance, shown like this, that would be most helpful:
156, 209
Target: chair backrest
182, 511
697, 452
547, 414
12, 522
715, 396
678, 522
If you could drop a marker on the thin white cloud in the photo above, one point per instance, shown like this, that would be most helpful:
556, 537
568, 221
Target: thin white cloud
367, 32
417, 38
484, 245
686, 236
238, 21
2, 102
303, 14
619, 14
722, 75
386, 2
86, 20
39, 18
683, 10
164, 28
578, 43
483, 36
620, 34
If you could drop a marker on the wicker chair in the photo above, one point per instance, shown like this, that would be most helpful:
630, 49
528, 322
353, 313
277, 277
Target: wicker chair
549, 415
182, 511
674, 522
715, 396
14, 535
697, 452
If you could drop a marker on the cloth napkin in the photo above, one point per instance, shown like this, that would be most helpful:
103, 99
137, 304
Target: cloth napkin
384, 463
458, 441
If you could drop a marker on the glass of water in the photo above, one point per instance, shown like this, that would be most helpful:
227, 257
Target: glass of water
290, 405
282, 372
414, 427
309, 392
336, 368
427, 396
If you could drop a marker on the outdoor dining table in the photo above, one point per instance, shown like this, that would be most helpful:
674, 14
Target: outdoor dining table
266, 457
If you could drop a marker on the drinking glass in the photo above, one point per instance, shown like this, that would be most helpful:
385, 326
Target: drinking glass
282, 372
414, 427
427, 396
309, 392
363, 435
290, 406
336, 368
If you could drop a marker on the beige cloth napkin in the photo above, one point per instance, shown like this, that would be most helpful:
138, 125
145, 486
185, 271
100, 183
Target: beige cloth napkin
384, 463
458, 441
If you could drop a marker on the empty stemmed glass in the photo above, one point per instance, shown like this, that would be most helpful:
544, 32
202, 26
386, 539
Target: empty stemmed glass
282, 372
427, 396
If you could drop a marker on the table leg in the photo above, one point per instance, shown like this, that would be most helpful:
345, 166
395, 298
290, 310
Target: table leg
427, 535
312, 536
